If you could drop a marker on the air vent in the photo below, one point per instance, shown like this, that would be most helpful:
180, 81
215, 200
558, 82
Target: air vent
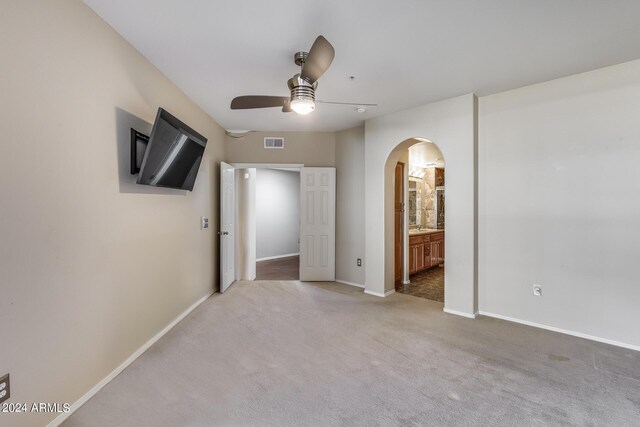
273, 142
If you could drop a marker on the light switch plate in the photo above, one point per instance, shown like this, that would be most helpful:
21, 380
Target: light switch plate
5, 390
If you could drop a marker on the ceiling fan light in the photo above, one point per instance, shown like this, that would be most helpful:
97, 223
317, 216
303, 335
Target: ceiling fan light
303, 105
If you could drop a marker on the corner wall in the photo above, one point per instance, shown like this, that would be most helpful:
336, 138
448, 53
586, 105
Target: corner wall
92, 265
350, 206
559, 203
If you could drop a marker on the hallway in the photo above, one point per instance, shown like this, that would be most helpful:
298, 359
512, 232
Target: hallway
279, 269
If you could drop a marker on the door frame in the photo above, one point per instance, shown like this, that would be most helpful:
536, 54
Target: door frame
266, 165
405, 177
399, 237
239, 165
228, 213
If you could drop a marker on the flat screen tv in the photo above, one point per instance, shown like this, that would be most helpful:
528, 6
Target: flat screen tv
173, 154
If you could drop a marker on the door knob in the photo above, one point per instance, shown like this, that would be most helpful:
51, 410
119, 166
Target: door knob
223, 233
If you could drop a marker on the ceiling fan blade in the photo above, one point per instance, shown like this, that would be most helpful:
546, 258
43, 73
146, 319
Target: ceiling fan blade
347, 103
286, 108
258, 101
318, 61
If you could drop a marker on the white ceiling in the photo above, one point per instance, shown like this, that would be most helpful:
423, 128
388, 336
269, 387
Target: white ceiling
403, 53
422, 154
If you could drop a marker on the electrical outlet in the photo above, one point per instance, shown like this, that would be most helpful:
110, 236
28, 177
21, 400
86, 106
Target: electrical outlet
359, 262
537, 290
5, 390
204, 222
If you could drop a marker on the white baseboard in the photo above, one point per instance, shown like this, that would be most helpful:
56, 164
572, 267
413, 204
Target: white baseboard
277, 257
562, 331
378, 294
344, 282
461, 313
106, 380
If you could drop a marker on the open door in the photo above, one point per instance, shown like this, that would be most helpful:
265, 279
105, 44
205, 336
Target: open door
227, 223
318, 224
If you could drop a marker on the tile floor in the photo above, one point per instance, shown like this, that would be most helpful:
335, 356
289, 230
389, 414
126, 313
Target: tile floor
427, 284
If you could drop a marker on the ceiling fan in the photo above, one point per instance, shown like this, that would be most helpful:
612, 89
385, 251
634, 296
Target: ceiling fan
302, 86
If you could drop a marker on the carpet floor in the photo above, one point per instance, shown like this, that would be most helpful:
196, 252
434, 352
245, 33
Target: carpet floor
325, 354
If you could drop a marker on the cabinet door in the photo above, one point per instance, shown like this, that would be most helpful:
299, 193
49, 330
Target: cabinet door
434, 253
412, 259
441, 251
427, 254
420, 257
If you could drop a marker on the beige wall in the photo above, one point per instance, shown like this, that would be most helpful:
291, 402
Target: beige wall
309, 148
350, 238
91, 265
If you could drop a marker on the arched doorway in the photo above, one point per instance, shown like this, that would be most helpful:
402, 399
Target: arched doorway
452, 125
418, 183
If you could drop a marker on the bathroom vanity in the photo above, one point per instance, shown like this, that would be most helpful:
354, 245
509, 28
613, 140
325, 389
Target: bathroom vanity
426, 249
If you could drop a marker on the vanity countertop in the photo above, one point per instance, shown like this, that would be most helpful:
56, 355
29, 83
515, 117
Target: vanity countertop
424, 231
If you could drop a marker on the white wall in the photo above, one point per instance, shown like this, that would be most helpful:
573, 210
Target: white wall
350, 208
277, 213
91, 265
245, 224
451, 125
560, 203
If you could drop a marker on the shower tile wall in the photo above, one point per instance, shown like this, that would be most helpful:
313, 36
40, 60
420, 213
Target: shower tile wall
428, 194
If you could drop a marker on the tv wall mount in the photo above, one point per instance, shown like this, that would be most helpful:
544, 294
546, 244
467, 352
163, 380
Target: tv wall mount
139, 143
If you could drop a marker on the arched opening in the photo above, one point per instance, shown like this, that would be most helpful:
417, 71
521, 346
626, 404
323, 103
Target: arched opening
451, 124
415, 171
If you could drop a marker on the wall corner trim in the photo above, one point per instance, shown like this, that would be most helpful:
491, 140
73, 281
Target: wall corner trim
378, 294
461, 313
344, 282
562, 331
106, 380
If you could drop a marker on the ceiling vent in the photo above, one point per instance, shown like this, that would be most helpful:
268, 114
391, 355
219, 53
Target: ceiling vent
273, 142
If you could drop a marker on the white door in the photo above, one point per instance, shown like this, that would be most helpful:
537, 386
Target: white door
318, 224
227, 215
